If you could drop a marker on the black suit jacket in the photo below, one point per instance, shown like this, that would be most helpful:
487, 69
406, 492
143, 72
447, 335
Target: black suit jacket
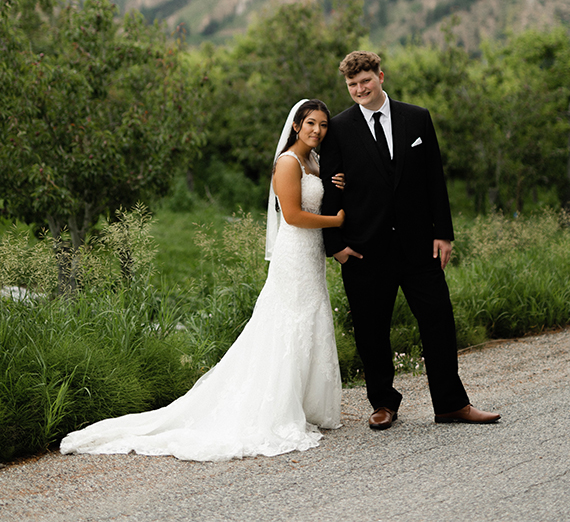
411, 197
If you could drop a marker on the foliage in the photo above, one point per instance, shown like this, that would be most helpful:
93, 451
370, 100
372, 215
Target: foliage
508, 278
501, 114
291, 54
528, 81
179, 258
518, 271
501, 119
112, 348
232, 266
122, 255
122, 346
125, 110
227, 186
501, 280
117, 345
64, 364
27, 265
99, 116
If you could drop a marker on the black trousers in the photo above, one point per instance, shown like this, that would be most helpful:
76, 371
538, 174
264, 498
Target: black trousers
371, 286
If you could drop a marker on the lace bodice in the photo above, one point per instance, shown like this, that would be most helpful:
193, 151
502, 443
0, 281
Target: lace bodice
311, 188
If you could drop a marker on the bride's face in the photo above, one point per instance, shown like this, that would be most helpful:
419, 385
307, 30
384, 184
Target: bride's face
313, 128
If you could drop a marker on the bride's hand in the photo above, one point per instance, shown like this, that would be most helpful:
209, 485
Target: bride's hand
338, 180
341, 215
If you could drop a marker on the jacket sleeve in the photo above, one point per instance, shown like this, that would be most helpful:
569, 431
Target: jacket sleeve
439, 199
331, 164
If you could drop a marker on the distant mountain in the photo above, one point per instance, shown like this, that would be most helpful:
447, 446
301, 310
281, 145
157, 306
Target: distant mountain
390, 21
398, 20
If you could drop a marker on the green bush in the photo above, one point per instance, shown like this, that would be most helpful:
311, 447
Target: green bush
107, 348
115, 344
68, 362
118, 344
228, 186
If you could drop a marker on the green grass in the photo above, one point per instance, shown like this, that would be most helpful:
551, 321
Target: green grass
508, 277
179, 259
115, 346
183, 254
66, 363
118, 344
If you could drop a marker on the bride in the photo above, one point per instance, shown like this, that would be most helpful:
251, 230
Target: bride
280, 380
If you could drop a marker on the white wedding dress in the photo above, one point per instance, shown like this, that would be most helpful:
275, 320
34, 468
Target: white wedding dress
278, 382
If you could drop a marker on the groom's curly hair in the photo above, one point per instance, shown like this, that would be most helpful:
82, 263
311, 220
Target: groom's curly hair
358, 61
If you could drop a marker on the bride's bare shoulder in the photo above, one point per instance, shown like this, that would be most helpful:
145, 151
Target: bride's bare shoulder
287, 162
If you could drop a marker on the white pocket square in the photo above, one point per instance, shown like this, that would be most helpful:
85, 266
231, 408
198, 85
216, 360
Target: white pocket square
417, 142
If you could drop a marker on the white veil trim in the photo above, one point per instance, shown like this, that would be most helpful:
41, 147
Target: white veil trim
272, 214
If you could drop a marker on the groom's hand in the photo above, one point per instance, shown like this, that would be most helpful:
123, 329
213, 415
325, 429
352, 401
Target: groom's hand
343, 255
443, 246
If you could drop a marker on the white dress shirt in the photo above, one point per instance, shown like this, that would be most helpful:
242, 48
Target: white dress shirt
385, 121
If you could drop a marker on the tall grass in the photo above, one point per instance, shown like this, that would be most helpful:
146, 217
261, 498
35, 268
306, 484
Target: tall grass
110, 347
117, 344
507, 277
128, 339
68, 363
231, 274
512, 276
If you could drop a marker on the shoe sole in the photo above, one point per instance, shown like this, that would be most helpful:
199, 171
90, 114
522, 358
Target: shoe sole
447, 420
384, 426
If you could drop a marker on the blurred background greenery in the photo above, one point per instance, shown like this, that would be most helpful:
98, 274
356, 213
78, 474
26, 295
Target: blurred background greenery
134, 165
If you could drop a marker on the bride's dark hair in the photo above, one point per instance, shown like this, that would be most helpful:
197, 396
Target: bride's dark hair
302, 112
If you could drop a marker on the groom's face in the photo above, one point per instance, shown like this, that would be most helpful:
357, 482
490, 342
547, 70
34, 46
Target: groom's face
366, 89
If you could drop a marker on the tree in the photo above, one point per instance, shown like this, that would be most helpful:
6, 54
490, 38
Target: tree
290, 54
102, 119
528, 79
443, 79
501, 117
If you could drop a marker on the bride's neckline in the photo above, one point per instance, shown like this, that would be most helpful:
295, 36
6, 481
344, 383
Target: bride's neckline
304, 168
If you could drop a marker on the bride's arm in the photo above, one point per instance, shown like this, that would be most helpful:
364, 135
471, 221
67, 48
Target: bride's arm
287, 186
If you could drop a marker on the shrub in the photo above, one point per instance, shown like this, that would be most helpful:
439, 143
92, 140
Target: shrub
117, 344
108, 348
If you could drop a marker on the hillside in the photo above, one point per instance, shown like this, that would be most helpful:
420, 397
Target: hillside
390, 21
397, 20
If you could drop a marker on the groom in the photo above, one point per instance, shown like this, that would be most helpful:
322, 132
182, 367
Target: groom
397, 234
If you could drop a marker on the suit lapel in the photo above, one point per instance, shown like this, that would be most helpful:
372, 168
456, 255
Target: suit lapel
363, 130
399, 139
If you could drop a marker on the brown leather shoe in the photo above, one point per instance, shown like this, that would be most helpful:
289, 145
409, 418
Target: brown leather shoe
382, 418
470, 415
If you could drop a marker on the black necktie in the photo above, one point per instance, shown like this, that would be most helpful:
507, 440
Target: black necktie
380, 136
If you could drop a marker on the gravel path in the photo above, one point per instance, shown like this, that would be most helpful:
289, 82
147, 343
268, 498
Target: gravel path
516, 470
